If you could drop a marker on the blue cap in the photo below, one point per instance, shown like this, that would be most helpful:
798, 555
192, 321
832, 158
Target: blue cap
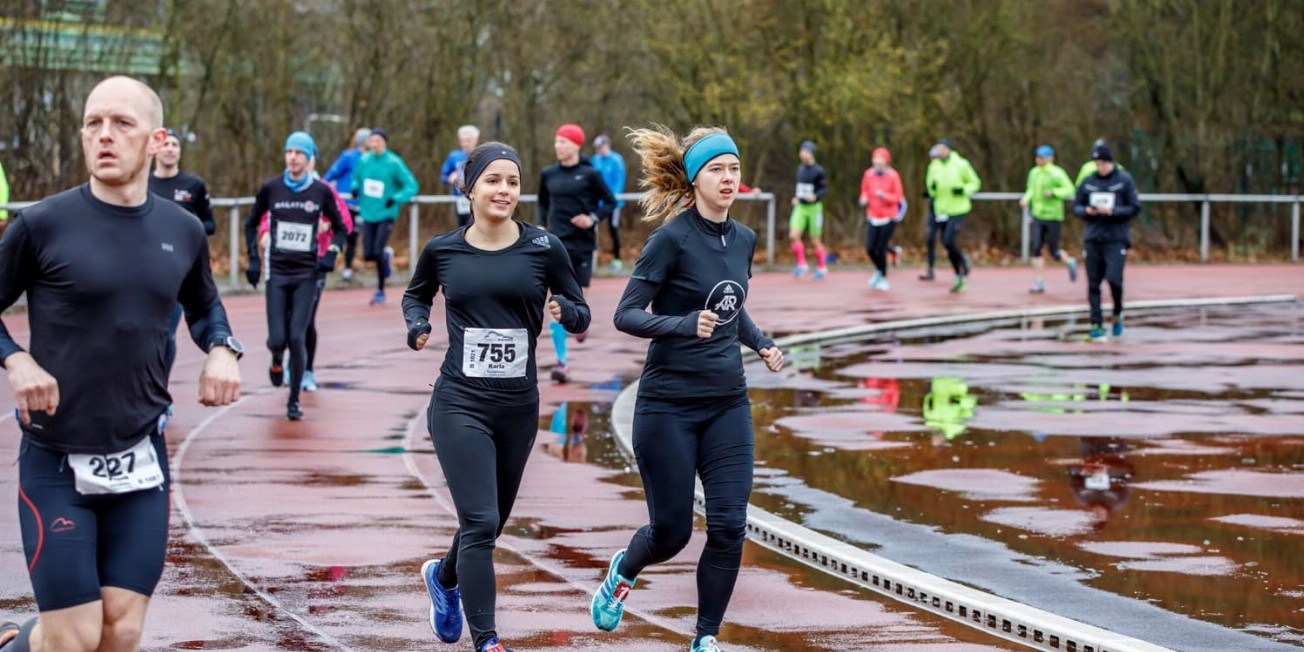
702, 151
301, 141
809, 146
1045, 151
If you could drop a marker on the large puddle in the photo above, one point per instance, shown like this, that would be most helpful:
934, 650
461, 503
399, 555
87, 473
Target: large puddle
1097, 481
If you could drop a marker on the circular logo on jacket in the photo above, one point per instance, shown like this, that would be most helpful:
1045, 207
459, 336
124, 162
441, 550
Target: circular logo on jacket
726, 300
310, 206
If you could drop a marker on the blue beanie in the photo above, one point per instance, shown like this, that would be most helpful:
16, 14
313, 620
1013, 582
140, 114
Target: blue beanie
301, 141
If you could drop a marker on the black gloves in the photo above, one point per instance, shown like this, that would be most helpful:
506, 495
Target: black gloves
327, 263
390, 203
255, 271
957, 191
422, 328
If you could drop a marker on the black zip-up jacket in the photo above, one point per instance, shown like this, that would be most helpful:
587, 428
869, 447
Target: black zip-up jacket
1117, 190
565, 192
812, 177
688, 265
292, 222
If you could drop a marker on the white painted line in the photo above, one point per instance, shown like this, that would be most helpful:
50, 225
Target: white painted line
179, 500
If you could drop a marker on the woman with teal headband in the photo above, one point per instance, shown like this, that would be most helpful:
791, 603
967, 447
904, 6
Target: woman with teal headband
692, 416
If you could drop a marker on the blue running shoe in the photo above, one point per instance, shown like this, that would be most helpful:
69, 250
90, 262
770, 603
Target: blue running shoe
1073, 270
309, 383
608, 605
798, 271
445, 604
820, 273
378, 299
1118, 326
492, 645
1097, 334
707, 644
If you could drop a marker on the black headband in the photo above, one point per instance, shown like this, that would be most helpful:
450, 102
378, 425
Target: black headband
475, 166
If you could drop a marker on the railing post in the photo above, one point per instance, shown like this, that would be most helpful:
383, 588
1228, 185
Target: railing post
413, 212
1204, 231
1294, 231
769, 230
1025, 214
235, 247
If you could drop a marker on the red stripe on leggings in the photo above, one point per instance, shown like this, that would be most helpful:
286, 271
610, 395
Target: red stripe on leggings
40, 529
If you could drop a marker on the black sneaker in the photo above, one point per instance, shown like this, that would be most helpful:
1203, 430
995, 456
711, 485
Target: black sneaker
276, 373
292, 411
928, 276
561, 373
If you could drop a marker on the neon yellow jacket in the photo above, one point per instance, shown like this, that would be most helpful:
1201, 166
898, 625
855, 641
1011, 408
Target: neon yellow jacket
947, 175
4, 193
1053, 179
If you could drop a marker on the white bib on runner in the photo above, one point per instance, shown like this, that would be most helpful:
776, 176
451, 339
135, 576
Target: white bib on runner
1102, 200
940, 217
134, 469
495, 352
1098, 481
805, 190
463, 205
373, 188
294, 237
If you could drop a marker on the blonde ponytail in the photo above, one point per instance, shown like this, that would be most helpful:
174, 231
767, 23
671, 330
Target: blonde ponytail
664, 178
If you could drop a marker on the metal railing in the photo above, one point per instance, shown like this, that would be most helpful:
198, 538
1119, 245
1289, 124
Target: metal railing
1205, 201
235, 203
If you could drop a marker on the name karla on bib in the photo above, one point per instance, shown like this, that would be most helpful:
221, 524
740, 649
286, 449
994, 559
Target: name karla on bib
495, 352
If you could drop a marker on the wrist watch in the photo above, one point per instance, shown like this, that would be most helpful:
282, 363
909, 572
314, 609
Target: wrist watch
231, 343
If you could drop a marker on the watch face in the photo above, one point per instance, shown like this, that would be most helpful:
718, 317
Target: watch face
235, 345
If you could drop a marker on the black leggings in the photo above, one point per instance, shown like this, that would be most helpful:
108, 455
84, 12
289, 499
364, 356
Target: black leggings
613, 226
351, 242
675, 440
374, 242
876, 244
1105, 262
482, 450
930, 238
289, 310
950, 233
310, 338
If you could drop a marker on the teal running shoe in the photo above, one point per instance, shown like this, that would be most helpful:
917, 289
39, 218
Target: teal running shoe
1118, 326
309, 383
1097, 334
1073, 270
820, 273
608, 605
798, 271
707, 644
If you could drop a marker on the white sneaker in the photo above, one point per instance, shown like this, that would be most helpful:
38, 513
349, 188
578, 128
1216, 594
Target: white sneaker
347, 274
882, 285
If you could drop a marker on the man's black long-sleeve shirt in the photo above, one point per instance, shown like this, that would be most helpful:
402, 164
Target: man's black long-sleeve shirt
101, 284
1116, 191
293, 225
567, 191
190, 193
494, 303
688, 265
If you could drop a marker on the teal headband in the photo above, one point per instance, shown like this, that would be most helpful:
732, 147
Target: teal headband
706, 149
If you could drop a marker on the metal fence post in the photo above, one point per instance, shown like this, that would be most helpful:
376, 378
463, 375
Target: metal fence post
769, 230
413, 212
235, 247
1294, 231
1204, 231
1025, 214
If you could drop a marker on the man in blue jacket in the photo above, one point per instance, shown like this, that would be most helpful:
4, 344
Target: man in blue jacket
468, 136
1108, 201
612, 166
340, 176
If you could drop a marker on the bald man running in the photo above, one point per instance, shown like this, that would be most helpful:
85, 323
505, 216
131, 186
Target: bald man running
102, 265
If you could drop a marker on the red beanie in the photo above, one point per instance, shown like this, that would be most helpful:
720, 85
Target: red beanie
572, 133
887, 156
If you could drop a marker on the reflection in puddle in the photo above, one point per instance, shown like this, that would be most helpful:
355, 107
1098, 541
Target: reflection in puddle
1181, 446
